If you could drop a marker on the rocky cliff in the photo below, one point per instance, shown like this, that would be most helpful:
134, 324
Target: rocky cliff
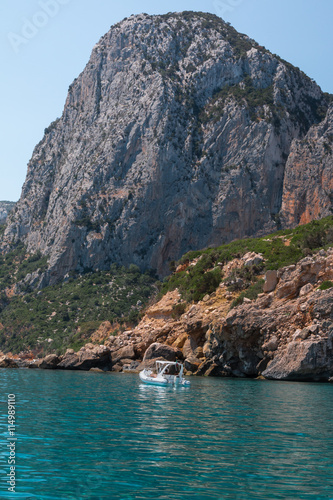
175, 136
308, 178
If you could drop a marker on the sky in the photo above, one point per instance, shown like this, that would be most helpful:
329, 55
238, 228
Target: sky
45, 44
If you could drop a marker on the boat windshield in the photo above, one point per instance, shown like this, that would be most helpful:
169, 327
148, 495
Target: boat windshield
169, 368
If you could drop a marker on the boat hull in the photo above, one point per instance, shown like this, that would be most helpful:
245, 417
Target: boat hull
163, 381
152, 380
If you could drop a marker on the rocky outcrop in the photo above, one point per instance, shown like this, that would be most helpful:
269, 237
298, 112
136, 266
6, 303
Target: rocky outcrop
308, 360
174, 137
157, 350
285, 334
49, 362
88, 357
271, 280
8, 362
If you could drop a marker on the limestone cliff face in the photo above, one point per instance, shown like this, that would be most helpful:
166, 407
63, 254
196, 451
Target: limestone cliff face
308, 180
174, 137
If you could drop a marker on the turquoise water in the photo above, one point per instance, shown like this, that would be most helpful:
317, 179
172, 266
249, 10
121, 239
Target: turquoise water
106, 436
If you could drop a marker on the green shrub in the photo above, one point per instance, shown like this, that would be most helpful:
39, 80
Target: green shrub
80, 305
208, 284
178, 309
326, 285
251, 293
247, 95
277, 254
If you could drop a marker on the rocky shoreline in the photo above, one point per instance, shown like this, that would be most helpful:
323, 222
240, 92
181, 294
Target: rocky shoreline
285, 334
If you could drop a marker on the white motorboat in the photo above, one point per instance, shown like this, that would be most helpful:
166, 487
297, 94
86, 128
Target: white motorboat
166, 373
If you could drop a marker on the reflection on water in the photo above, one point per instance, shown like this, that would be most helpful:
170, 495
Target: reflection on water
108, 436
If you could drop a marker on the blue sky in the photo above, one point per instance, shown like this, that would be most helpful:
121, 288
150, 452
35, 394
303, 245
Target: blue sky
45, 44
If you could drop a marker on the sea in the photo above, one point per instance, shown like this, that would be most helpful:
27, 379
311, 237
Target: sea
86, 435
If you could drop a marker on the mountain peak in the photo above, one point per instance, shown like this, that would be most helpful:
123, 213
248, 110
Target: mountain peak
174, 137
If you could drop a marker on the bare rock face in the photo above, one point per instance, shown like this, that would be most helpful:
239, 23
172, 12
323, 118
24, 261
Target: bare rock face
252, 259
88, 357
308, 180
157, 350
102, 333
126, 352
308, 360
192, 364
8, 362
271, 344
293, 279
49, 362
286, 334
174, 137
271, 280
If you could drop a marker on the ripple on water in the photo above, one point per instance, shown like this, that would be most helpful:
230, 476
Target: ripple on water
93, 436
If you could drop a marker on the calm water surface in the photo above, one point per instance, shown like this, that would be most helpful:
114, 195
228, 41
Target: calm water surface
107, 436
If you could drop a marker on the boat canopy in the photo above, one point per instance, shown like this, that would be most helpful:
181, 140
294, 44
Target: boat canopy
162, 366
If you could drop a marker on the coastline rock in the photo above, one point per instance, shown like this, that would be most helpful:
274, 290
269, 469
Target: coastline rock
293, 280
50, 362
301, 334
117, 367
7, 362
192, 364
164, 309
126, 352
32, 364
271, 345
149, 363
97, 357
214, 371
303, 361
180, 341
189, 348
305, 289
131, 367
286, 339
102, 333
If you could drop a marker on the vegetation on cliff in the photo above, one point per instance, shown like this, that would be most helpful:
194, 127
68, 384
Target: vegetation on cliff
283, 248
65, 315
